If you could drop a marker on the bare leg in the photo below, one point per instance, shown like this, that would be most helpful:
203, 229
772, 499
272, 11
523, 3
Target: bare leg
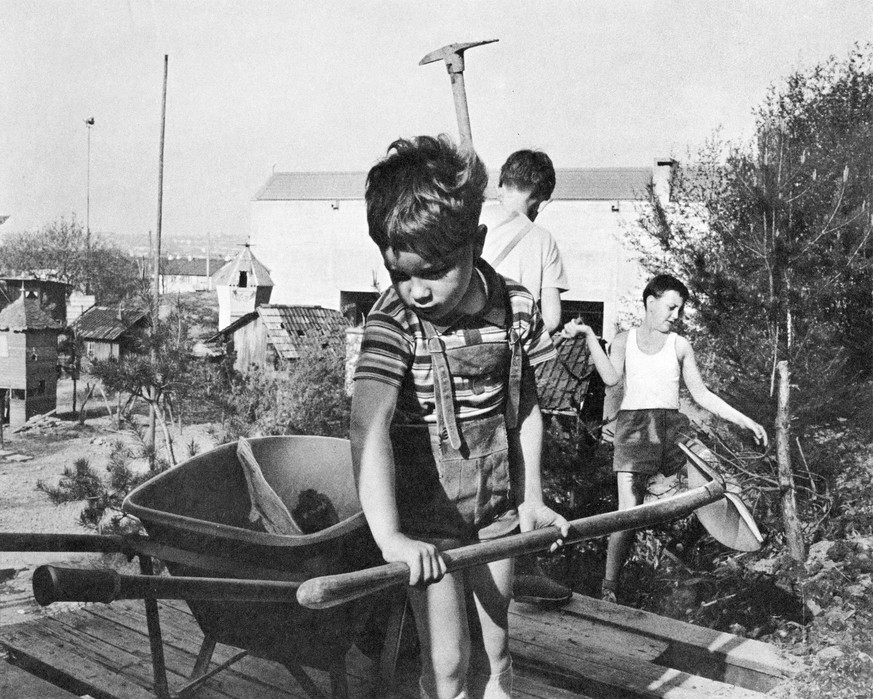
491, 665
440, 612
631, 489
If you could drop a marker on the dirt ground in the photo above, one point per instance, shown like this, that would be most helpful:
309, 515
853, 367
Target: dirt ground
23, 508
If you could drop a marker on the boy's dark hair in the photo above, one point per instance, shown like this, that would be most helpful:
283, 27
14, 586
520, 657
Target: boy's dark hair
425, 196
529, 171
662, 283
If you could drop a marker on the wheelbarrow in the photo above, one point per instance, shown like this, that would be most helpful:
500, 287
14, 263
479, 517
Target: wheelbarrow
297, 600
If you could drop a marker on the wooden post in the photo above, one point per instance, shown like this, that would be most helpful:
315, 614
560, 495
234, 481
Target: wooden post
790, 521
153, 391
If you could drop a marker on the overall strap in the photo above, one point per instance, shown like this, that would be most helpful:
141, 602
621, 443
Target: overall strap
516, 239
442, 385
513, 386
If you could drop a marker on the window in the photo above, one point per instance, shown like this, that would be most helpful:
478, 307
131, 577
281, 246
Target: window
243, 280
40, 389
355, 305
591, 312
19, 394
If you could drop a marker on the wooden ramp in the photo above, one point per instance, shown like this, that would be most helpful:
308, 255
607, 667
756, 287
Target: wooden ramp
588, 648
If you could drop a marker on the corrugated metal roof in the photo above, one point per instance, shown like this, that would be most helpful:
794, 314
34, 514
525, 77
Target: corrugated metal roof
575, 184
26, 314
258, 275
103, 323
195, 267
288, 327
563, 383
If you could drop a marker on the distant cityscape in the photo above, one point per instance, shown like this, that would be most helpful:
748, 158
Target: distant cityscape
139, 245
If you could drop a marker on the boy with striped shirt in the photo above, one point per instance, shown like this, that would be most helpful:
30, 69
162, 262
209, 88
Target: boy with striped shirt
446, 432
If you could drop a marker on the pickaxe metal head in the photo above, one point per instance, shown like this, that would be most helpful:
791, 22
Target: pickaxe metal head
453, 55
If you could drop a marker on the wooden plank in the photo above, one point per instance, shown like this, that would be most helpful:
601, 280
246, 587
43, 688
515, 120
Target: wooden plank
30, 643
530, 621
182, 643
115, 663
17, 683
180, 631
714, 654
610, 677
179, 663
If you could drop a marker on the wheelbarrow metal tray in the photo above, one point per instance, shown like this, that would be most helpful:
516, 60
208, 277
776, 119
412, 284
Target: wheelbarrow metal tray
202, 506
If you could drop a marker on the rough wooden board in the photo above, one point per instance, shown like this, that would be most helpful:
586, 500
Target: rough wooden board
30, 642
687, 641
179, 663
16, 683
133, 666
182, 638
533, 625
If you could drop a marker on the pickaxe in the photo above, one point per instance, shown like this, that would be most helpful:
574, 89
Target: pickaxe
453, 55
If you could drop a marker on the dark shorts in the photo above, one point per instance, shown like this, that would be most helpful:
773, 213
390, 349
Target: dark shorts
646, 441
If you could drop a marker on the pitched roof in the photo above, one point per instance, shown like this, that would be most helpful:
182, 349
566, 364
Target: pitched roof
191, 267
288, 327
25, 314
563, 383
258, 275
103, 323
576, 184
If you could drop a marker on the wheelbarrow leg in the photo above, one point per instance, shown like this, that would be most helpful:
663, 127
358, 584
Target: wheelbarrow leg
153, 622
393, 639
204, 657
305, 680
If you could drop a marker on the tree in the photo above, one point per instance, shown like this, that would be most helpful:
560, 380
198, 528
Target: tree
58, 252
774, 241
153, 371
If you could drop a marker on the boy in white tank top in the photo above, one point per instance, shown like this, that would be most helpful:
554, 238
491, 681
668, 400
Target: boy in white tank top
651, 359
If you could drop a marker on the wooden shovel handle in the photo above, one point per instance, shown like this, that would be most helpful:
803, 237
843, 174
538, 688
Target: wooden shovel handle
330, 590
54, 584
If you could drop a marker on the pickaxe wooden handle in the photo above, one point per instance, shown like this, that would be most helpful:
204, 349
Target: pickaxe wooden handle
453, 55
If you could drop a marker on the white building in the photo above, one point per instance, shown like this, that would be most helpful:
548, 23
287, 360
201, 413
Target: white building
311, 229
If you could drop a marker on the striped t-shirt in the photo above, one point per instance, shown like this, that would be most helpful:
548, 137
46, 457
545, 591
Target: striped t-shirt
394, 350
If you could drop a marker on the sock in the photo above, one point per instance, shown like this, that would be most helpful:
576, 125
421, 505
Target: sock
424, 695
497, 686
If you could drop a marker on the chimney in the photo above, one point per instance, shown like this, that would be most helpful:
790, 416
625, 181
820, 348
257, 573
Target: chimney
662, 178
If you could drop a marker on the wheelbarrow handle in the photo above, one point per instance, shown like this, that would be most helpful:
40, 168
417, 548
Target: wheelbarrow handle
54, 584
330, 590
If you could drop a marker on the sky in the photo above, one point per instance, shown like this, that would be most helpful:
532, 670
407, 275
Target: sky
256, 87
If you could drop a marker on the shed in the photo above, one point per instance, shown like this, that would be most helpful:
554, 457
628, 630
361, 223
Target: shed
28, 360
108, 332
272, 335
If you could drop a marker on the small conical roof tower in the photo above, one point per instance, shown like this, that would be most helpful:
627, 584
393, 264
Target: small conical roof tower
242, 285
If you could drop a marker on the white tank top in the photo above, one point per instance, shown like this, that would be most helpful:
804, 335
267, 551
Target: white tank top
650, 380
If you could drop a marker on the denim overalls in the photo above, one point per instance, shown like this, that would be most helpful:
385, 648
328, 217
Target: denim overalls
453, 477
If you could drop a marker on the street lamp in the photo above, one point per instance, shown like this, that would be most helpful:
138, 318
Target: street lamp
89, 122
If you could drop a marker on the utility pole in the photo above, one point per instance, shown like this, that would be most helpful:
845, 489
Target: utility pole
89, 122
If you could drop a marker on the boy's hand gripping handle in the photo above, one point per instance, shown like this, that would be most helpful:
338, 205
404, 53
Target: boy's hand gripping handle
331, 590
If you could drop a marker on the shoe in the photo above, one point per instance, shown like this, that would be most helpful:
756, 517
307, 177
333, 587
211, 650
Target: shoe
538, 589
608, 596
609, 591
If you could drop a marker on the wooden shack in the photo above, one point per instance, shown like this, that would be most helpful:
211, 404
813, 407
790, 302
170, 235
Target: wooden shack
272, 335
108, 332
28, 360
